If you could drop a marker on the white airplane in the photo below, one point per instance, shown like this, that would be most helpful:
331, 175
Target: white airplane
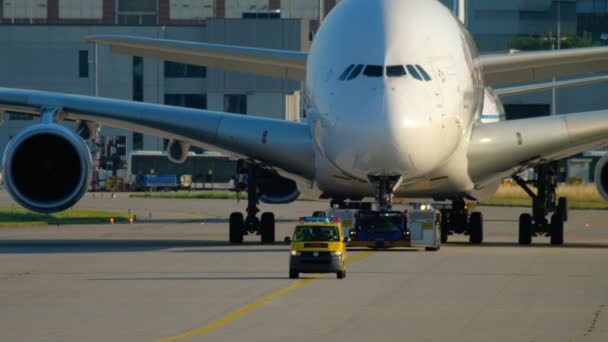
395, 93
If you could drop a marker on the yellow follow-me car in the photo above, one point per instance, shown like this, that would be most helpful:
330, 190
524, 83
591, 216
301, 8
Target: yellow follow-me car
318, 245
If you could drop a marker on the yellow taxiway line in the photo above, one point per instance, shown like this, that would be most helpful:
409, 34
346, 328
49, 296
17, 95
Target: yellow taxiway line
249, 307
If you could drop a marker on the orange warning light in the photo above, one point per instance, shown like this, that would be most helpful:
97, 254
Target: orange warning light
112, 220
131, 219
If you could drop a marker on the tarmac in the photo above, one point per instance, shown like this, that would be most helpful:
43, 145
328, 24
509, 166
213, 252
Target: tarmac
171, 276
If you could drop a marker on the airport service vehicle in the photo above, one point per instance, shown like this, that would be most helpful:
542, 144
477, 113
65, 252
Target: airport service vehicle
158, 182
318, 246
401, 106
425, 228
348, 217
380, 229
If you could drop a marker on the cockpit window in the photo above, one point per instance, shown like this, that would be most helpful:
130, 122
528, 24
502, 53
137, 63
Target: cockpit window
356, 71
346, 72
395, 71
423, 72
373, 71
414, 72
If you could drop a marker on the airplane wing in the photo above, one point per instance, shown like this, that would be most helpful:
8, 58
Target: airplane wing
532, 88
507, 147
265, 62
503, 69
277, 143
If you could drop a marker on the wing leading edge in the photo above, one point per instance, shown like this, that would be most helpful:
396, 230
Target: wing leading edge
500, 149
266, 62
503, 69
278, 143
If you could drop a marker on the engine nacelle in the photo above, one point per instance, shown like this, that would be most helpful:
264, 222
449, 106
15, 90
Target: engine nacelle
87, 130
177, 151
47, 168
275, 189
601, 176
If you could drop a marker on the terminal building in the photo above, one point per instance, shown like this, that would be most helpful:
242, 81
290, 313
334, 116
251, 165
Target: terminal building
43, 48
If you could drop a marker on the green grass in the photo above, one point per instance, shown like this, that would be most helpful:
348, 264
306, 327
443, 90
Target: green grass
579, 197
19, 217
189, 195
526, 202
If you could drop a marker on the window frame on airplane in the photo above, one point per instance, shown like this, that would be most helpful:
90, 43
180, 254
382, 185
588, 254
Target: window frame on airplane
423, 72
372, 71
391, 74
346, 72
412, 71
356, 72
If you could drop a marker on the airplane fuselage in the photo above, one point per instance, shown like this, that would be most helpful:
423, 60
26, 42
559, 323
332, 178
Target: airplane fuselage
393, 90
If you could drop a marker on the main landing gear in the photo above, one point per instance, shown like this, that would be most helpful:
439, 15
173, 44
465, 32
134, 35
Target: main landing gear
240, 226
544, 202
455, 219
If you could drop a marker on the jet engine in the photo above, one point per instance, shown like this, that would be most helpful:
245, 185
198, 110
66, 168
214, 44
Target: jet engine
601, 176
275, 189
177, 151
47, 168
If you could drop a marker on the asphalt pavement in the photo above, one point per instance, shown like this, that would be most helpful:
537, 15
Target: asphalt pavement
172, 276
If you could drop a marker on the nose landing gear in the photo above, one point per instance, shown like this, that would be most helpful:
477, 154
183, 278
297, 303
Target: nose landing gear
385, 186
544, 202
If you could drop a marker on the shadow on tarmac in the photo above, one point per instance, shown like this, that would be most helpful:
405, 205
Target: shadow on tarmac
191, 278
110, 246
566, 245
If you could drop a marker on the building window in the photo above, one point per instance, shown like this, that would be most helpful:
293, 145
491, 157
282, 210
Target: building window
137, 12
138, 78
235, 103
197, 101
237, 8
83, 63
24, 9
138, 95
16, 116
81, 9
138, 141
173, 70
191, 9
298, 9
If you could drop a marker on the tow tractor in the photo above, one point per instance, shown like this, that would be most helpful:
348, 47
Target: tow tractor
388, 229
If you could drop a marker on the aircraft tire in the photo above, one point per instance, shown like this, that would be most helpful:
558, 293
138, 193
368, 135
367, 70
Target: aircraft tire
557, 229
236, 228
562, 208
267, 228
476, 225
525, 229
293, 274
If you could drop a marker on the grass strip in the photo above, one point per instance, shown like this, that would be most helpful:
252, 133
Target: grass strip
19, 217
189, 195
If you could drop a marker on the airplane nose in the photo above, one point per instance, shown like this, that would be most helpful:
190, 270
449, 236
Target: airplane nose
386, 135
364, 141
